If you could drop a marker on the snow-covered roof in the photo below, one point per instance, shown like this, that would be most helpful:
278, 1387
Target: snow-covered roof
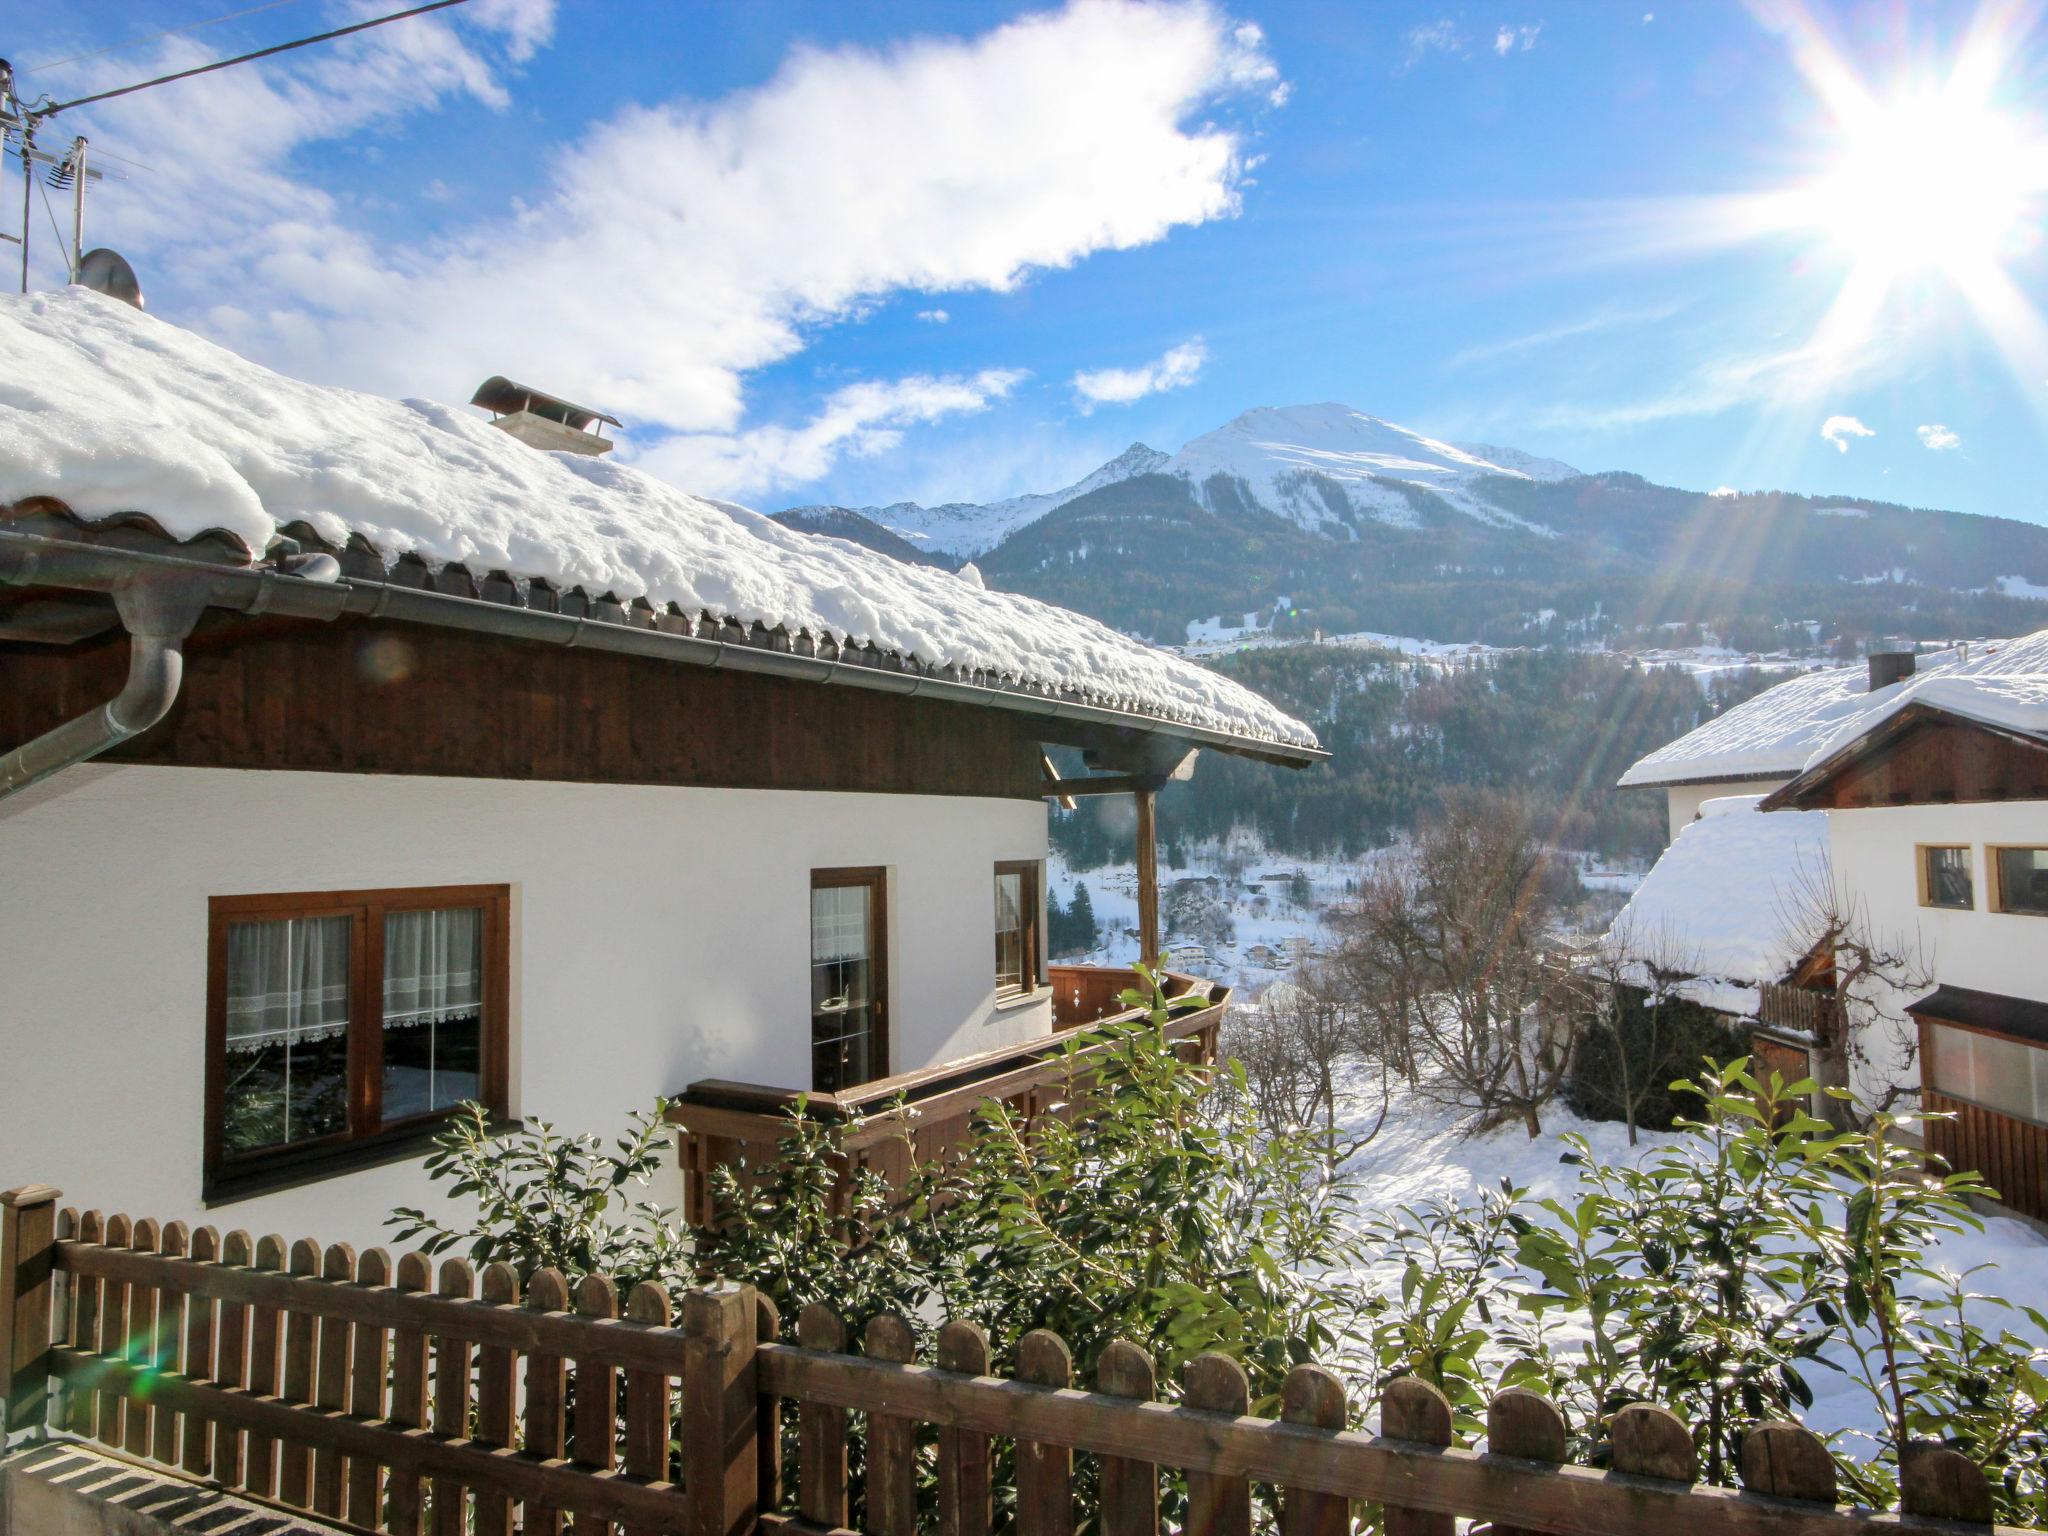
2003, 685
1773, 735
111, 411
1729, 902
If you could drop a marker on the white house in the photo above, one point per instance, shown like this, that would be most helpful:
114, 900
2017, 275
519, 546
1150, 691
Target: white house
360, 759
1935, 794
1764, 741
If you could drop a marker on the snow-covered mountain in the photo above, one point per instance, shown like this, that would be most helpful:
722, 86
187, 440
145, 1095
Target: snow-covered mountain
965, 529
1318, 466
1314, 464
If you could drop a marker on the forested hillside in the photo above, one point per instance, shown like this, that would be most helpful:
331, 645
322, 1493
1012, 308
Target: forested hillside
1555, 726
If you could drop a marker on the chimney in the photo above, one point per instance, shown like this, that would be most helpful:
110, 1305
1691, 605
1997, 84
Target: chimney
541, 420
1891, 661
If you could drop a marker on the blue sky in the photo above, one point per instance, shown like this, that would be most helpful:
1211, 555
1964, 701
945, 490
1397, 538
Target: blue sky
1563, 228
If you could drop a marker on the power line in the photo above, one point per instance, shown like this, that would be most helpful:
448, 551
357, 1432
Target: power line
243, 58
137, 42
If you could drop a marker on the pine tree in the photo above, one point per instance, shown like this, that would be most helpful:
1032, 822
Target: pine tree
1074, 929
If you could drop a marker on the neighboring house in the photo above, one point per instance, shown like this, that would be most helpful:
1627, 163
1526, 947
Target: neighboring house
1732, 917
433, 767
1764, 741
1937, 806
1935, 794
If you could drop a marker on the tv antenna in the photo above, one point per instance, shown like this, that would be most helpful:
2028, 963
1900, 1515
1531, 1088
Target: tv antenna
20, 120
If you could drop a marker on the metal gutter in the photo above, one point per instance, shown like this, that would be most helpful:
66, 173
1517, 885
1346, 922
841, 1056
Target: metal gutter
26, 558
158, 610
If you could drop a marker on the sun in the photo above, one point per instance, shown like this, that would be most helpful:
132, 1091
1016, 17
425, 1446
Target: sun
1930, 179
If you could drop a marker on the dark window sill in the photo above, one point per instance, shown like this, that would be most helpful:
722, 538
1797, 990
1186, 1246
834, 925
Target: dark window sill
289, 1171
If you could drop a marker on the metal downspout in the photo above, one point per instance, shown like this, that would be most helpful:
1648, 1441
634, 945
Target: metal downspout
159, 613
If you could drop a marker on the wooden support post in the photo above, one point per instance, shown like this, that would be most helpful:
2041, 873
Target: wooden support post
1148, 876
721, 1411
28, 1236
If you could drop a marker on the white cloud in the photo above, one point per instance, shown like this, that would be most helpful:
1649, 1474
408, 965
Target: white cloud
931, 165
1516, 39
1176, 368
1440, 36
858, 420
1724, 490
1938, 438
1839, 429
933, 316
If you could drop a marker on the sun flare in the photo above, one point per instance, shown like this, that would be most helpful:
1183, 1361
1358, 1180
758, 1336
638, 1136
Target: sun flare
1931, 181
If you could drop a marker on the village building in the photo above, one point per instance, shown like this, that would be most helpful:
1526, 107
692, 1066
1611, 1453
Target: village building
360, 760
1935, 797
1765, 741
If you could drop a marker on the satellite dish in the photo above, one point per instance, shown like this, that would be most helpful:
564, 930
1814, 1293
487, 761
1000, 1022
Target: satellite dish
107, 271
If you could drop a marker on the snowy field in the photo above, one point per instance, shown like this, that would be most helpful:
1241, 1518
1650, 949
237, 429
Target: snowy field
1419, 1156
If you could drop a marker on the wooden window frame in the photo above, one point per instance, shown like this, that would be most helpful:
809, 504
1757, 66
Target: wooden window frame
1033, 905
876, 878
1924, 875
1997, 873
368, 1138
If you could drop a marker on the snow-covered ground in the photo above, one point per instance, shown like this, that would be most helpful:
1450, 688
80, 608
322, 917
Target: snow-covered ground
1420, 1156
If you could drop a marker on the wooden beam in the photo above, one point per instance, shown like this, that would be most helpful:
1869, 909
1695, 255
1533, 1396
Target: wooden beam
1100, 784
1148, 876
1052, 778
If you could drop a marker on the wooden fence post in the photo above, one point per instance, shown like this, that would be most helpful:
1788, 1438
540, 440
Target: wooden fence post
721, 1411
28, 1237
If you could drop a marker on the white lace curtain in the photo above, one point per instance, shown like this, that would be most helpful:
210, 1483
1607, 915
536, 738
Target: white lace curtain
433, 966
287, 981
839, 923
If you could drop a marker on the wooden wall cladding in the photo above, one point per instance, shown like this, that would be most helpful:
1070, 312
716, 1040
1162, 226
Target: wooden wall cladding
1936, 761
362, 697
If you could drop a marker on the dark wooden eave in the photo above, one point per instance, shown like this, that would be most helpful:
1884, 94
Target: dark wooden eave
1990, 1013
453, 597
1922, 755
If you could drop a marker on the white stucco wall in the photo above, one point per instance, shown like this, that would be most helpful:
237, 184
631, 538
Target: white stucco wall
659, 935
1682, 802
1874, 856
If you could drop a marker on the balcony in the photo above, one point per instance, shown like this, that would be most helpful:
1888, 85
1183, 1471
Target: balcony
721, 1123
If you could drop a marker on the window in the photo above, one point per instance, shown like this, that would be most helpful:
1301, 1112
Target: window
2021, 880
2009, 1077
849, 978
1017, 924
1946, 879
338, 1022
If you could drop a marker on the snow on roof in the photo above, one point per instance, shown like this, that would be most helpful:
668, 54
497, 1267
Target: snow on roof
2004, 684
1728, 900
1774, 734
110, 410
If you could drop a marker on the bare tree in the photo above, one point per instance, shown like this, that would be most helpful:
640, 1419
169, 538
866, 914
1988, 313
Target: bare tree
1868, 1032
1298, 1047
1449, 952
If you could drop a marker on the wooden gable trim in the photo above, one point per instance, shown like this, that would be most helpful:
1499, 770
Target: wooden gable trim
1922, 756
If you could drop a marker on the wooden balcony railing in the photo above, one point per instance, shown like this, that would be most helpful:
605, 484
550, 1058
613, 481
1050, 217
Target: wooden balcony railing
738, 1125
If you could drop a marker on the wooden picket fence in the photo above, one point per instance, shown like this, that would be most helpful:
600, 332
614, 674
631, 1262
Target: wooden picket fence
391, 1397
